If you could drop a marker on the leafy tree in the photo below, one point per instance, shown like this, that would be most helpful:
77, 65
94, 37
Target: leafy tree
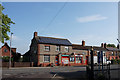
111, 45
5, 23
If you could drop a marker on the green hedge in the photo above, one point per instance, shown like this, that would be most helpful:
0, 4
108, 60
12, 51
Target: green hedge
115, 61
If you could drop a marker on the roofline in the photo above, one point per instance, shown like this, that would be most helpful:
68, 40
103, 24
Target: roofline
52, 37
54, 44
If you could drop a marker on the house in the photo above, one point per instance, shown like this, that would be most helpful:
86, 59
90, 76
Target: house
5, 53
97, 50
5, 50
45, 51
112, 52
81, 53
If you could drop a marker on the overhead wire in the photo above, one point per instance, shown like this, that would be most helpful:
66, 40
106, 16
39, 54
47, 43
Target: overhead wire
55, 16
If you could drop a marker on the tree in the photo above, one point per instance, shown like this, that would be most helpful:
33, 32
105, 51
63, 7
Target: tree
111, 45
5, 23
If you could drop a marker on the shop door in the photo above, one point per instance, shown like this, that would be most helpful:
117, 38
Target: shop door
57, 61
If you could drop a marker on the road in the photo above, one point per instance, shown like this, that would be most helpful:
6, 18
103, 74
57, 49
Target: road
67, 72
45, 72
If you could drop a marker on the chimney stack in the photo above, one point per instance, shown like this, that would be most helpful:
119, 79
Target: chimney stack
118, 46
105, 45
102, 45
35, 34
83, 43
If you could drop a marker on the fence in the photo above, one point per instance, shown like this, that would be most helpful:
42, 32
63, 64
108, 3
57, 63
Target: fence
18, 64
99, 73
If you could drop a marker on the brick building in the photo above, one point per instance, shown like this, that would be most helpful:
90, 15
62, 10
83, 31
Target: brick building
45, 51
5, 50
112, 52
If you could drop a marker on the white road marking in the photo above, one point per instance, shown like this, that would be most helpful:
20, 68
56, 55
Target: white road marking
54, 75
7, 74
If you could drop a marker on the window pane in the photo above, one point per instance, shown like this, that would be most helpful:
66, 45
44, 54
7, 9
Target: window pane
46, 58
47, 48
66, 49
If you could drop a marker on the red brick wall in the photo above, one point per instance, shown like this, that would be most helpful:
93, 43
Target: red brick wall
5, 53
14, 50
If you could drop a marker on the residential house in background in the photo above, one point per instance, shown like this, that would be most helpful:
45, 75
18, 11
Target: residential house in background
112, 52
5, 50
5, 53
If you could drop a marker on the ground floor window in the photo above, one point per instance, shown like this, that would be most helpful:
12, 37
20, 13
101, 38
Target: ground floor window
78, 59
65, 60
71, 59
46, 58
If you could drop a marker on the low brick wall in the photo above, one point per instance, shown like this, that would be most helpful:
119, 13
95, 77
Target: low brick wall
18, 64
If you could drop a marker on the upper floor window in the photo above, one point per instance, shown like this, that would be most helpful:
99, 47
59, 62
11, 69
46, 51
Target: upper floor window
57, 48
112, 54
66, 49
5, 50
47, 48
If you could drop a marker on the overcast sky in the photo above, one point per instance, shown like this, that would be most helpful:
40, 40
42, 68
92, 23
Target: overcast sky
94, 22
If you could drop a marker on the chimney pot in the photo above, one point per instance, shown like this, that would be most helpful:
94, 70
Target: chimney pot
105, 45
83, 43
118, 46
102, 45
35, 34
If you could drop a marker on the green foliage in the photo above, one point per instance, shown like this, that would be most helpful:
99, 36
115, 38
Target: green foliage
6, 59
115, 61
5, 26
111, 45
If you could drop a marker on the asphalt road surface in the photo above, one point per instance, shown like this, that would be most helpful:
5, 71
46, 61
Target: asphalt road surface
67, 72
45, 72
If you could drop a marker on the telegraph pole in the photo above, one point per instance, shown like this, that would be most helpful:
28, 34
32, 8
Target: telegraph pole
92, 64
10, 50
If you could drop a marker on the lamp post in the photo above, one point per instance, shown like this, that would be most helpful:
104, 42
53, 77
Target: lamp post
10, 50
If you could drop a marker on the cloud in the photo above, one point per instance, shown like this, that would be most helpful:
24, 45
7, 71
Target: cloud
91, 18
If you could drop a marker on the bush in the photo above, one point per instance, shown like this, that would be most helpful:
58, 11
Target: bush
6, 59
115, 61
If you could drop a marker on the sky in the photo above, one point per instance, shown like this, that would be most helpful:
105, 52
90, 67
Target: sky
94, 22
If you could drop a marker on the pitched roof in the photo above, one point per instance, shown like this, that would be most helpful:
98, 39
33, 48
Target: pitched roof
51, 40
80, 47
99, 48
112, 49
7, 47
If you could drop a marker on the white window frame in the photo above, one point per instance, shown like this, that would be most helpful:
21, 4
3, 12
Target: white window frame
47, 48
66, 49
46, 56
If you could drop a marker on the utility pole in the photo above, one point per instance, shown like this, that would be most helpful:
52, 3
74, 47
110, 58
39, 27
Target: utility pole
10, 50
92, 64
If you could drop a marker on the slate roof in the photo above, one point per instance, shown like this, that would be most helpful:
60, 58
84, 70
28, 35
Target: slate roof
99, 48
80, 47
51, 40
112, 49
